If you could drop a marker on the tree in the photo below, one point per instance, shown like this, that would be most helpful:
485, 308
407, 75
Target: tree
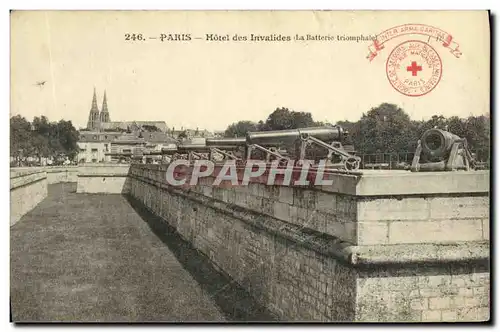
477, 133
386, 128
349, 128
62, 139
240, 129
282, 118
41, 133
150, 128
20, 138
43, 138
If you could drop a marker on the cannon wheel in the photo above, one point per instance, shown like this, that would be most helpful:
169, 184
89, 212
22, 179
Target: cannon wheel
304, 136
352, 164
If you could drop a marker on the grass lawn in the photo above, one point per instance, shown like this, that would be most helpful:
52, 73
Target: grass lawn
102, 258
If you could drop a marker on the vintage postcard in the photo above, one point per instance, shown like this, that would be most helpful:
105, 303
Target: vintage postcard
250, 166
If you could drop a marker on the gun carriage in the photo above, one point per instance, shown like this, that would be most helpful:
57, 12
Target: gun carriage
213, 149
440, 150
313, 143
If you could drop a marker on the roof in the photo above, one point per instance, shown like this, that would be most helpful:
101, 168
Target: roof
129, 138
122, 137
158, 137
93, 136
134, 125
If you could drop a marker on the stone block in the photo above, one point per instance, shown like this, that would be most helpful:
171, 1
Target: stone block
218, 193
286, 195
229, 196
271, 192
393, 209
449, 316
345, 231
254, 203
457, 280
459, 207
267, 206
472, 302
466, 291
419, 304
431, 315
256, 189
486, 229
407, 183
435, 231
282, 211
457, 301
467, 314
326, 202
240, 199
483, 314
346, 207
439, 280
304, 198
373, 233
317, 221
304, 213
439, 303
207, 191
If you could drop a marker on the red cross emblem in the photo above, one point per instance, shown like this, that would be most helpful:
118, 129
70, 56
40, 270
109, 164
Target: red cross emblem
414, 68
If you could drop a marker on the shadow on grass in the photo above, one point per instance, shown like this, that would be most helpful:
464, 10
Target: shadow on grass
234, 301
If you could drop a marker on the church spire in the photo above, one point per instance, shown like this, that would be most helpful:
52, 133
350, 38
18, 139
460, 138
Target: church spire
104, 110
104, 103
93, 123
94, 103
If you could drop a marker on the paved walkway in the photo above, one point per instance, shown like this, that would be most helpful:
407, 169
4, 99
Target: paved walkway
99, 258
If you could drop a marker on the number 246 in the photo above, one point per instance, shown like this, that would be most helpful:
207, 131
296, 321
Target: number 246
133, 36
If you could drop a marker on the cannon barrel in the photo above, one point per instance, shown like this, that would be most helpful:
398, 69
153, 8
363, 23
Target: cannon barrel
272, 138
218, 142
153, 153
437, 143
170, 150
192, 147
204, 148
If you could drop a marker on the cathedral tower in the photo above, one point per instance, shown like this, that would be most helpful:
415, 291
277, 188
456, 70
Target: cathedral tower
94, 117
104, 110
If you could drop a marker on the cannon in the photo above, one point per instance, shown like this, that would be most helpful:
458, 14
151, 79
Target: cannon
312, 143
226, 142
225, 148
440, 150
271, 138
228, 148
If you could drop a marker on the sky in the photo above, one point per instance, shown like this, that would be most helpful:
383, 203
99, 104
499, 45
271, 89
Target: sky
211, 84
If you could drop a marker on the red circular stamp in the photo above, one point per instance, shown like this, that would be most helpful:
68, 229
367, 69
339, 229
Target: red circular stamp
414, 68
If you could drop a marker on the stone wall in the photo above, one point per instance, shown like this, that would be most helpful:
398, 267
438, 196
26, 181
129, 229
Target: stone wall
27, 189
58, 174
103, 178
447, 292
55, 174
357, 250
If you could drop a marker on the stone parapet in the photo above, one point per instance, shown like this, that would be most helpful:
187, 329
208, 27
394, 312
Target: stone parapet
309, 253
110, 179
27, 189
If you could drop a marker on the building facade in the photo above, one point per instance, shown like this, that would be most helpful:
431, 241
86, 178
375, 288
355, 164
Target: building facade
105, 141
95, 146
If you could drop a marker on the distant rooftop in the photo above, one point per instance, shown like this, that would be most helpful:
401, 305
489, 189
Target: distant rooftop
134, 125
